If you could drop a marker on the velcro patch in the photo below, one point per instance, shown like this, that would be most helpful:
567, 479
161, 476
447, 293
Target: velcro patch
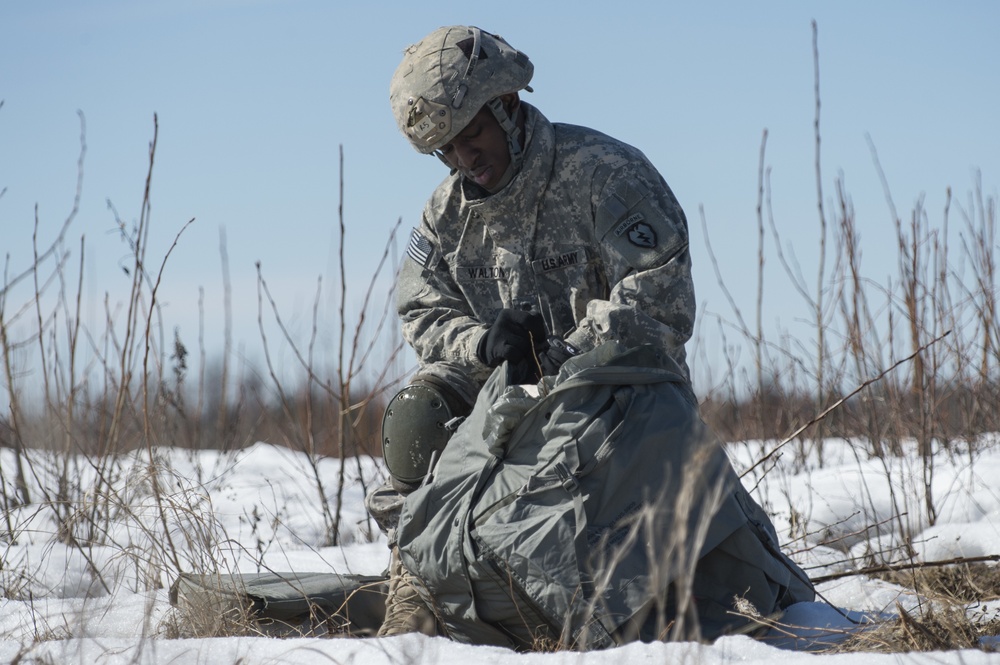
636, 224
639, 232
420, 248
559, 261
483, 272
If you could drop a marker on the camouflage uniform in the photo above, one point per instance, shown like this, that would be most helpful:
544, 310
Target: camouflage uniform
581, 229
588, 234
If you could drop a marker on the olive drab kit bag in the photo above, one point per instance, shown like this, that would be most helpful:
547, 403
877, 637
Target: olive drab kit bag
597, 512
287, 604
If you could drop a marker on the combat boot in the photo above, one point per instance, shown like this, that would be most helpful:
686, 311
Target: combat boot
405, 610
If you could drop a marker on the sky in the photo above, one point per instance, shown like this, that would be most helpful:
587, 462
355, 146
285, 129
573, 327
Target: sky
255, 99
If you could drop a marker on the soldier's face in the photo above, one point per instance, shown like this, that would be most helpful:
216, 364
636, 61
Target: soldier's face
480, 150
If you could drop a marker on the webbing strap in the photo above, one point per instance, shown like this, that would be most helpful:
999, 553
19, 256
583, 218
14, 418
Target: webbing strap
459, 97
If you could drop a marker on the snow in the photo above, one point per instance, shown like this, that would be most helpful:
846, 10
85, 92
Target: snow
258, 509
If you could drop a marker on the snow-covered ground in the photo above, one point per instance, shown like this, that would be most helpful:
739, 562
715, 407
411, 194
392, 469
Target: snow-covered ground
257, 510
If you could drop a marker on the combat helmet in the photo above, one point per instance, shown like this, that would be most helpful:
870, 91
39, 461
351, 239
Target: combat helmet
447, 77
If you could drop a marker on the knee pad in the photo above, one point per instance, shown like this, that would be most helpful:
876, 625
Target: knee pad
414, 428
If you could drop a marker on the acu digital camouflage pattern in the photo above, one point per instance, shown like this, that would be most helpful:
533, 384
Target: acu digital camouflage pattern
445, 78
588, 234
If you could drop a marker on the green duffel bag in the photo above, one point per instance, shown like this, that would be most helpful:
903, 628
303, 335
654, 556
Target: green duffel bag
279, 604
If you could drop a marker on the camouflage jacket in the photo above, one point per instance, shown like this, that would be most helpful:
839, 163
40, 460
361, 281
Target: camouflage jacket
588, 233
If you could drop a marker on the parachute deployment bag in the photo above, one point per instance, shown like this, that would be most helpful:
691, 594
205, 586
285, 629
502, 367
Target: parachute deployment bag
565, 518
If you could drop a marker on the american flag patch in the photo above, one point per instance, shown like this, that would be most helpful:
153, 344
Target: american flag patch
420, 248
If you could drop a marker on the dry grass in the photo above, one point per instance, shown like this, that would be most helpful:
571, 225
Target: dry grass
936, 630
963, 583
947, 620
129, 388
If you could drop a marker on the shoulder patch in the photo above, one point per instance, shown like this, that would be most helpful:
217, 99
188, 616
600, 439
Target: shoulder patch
641, 225
639, 232
420, 248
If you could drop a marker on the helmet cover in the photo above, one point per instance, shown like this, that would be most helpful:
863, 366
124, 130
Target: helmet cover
447, 77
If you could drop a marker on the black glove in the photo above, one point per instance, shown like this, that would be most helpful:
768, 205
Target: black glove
558, 352
512, 337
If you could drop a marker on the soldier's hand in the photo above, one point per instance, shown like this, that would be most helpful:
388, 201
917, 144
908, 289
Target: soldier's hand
558, 352
512, 337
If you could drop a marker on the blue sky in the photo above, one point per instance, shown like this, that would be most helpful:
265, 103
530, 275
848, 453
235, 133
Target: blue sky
255, 97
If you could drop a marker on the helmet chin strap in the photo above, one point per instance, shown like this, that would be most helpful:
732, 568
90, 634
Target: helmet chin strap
509, 126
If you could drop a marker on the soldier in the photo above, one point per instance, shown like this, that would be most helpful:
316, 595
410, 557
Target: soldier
545, 240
